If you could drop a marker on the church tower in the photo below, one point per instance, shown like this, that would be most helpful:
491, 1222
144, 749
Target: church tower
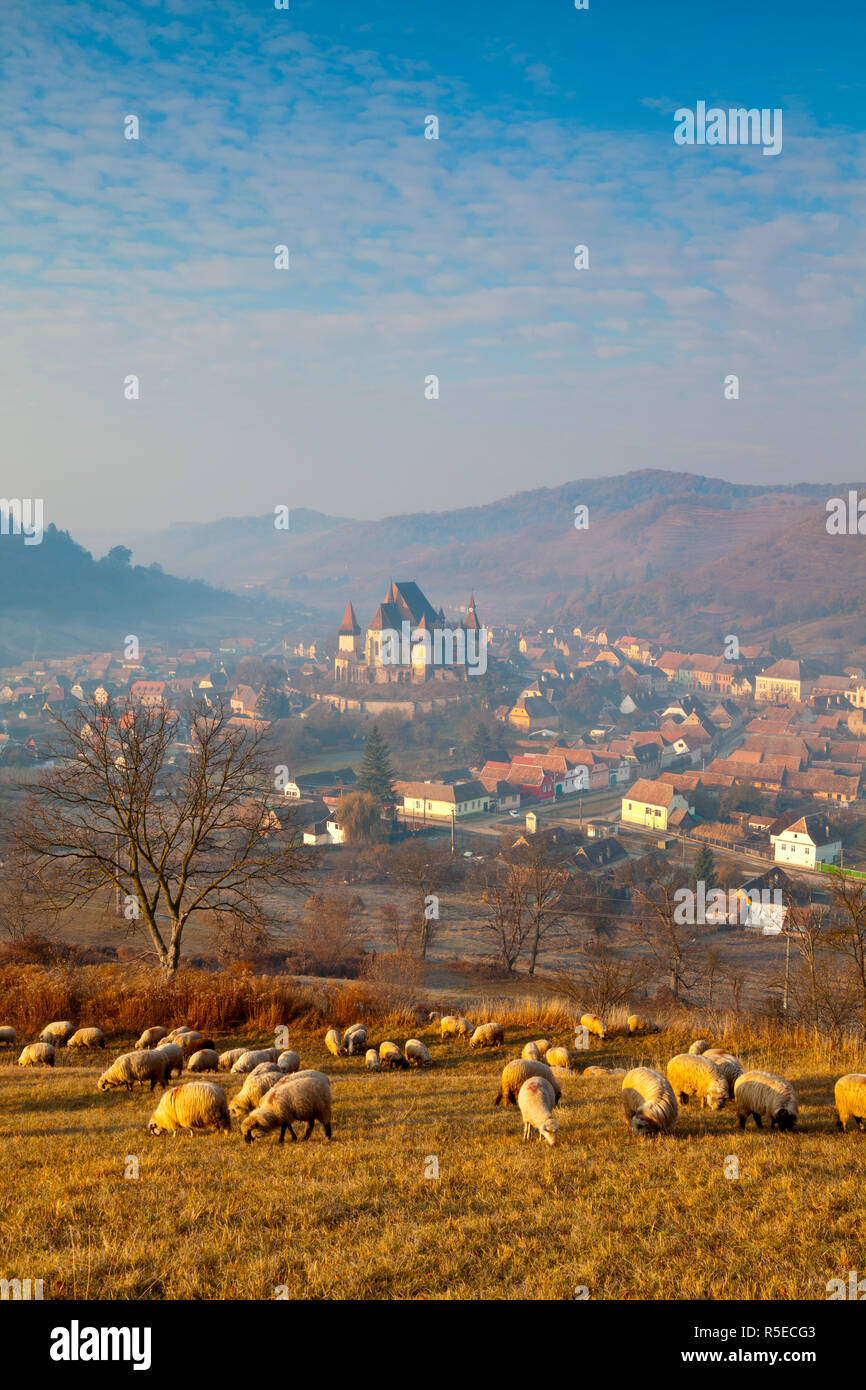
347, 638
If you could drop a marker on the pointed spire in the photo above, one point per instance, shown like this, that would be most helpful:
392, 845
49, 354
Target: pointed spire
349, 626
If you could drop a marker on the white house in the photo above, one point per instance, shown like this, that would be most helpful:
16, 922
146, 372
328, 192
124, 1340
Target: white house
807, 843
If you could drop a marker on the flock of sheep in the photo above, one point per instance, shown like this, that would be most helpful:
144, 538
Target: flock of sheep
276, 1093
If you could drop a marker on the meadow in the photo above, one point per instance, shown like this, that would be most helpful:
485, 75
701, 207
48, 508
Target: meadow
601, 1215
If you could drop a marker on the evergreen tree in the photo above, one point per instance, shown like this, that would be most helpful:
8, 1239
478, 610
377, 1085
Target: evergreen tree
482, 742
704, 868
375, 775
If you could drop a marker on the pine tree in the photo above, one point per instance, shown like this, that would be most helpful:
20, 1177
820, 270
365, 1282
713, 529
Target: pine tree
704, 868
375, 774
479, 748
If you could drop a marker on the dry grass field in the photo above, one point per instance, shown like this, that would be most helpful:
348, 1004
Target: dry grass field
209, 1217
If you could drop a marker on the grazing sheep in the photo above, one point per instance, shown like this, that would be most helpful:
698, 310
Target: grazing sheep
57, 1033
597, 1071
692, 1075
38, 1054
531, 1053
87, 1037
195, 1042
616, 1071
151, 1036
558, 1057
516, 1072
543, 1045
536, 1099
177, 1033
449, 1026
650, 1104
289, 1061
730, 1067
248, 1060
355, 1040
334, 1044
174, 1052
487, 1035
593, 1025
850, 1096
263, 1067
638, 1024
765, 1097
144, 1065
417, 1054
254, 1090
195, 1105
433, 1016
228, 1059
465, 1029
306, 1096
206, 1059
698, 1047
372, 1060
391, 1056
8, 1035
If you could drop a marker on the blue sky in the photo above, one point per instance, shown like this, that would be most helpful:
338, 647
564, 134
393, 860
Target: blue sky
411, 257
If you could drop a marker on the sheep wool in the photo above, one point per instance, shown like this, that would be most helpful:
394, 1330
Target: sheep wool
87, 1037
151, 1036
465, 1029
543, 1045
8, 1035
38, 1054
372, 1060
597, 1071
254, 1090
691, 1075
730, 1067
765, 1097
514, 1074
535, 1100
333, 1043
531, 1053
306, 1096
206, 1059
228, 1059
850, 1096
289, 1061
57, 1033
593, 1025
449, 1026
195, 1105
488, 1035
698, 1047
249, 1060
145, 1065
558, 1057
650, 1104
638, 1024
416, 1053
174, 1052
355, 1040
391, 1056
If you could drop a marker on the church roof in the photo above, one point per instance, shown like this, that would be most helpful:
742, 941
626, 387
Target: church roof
349, 625
411, 602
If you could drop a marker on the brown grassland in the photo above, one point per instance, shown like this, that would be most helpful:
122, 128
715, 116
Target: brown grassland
209, 1217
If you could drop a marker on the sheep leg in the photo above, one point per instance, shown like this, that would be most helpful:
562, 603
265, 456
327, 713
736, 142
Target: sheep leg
283, 1129
498, 1100
759, 1122
327, 1129
308, 1131
842, 1124
527, 1133
741, 1119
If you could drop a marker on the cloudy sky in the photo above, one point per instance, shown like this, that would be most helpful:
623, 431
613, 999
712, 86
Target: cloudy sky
412, 257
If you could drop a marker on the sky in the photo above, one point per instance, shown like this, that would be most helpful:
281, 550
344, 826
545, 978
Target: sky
411, 257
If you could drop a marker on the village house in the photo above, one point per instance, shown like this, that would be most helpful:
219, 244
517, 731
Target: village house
652, 804
442, 801
806, 843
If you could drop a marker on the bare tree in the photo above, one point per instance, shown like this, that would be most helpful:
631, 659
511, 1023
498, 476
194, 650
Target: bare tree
547, 887
847, 932
176, 839
508, 920
670, 942
603, 977
423, 870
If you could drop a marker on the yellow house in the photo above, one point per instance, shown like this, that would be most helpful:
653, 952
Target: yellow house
443, 801
780, 683
651, 804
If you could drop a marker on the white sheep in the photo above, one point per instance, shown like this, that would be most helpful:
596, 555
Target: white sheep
38, 1054
254, 1090
597, 1071
248, 1060
465, 1029
558, 1057
650, 1104
593, 1025
8, 1035
87, 1038
765, 1097
142, 1066
850, 1096
289, 1061
177, 1033
730, 1067
228, 1059
544, 1045
530, 1052
195, 1105
305, 1096
174, 1052
515, 1072
692, 1075
487, 1035
417, 1054
638, 1024
334, 1043
390, 1056
206, 1059
536, 1100
449, 1026
355, 1040
372, 1059
698, 1047
151, 1036
57, 1033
